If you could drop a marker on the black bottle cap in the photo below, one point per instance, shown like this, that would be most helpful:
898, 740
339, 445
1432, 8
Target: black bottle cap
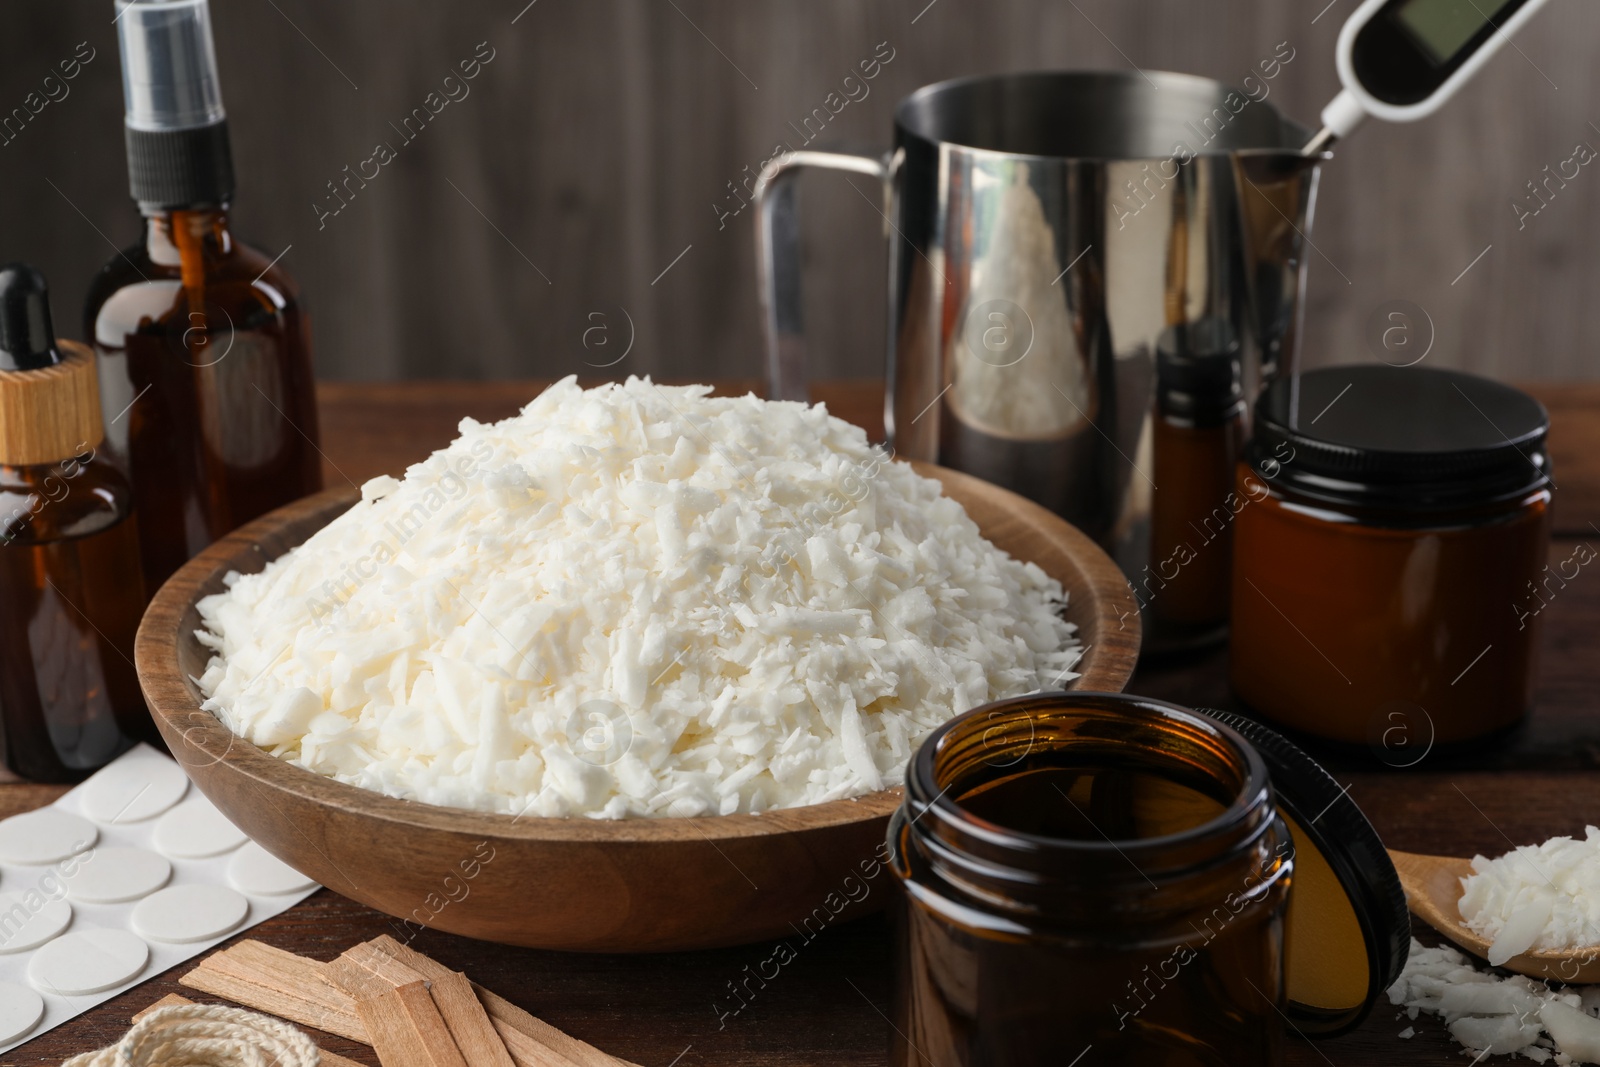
27, 336
1198, 370
1346, 895
176, 127
1402, 438
170, 169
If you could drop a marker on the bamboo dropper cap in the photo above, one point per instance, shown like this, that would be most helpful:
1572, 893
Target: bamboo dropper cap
49, 395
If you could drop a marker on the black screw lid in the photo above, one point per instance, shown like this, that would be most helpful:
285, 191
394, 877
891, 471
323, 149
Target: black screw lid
1400, 438
27, 336
1334, 844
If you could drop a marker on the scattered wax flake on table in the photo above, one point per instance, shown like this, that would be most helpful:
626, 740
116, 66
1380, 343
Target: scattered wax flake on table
1536, 897
634, 600
1495, 1015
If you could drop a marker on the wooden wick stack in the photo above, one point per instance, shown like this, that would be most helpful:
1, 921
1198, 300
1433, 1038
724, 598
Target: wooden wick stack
355, 996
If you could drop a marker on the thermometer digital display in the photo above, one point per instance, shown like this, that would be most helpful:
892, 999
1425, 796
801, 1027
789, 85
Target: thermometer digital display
1400, 60
1443, 27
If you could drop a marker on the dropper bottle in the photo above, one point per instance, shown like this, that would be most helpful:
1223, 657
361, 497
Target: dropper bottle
70, 588
203, 348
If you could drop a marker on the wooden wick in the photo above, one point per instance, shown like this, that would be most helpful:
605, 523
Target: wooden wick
407, 1029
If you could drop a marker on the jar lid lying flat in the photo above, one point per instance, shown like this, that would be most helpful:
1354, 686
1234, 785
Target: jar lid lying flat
1410, 438
1348, 931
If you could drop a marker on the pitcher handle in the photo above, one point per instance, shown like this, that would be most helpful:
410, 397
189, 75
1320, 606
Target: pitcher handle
778, 260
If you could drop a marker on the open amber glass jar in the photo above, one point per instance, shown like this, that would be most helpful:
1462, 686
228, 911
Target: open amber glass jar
1093, 879
1389, 568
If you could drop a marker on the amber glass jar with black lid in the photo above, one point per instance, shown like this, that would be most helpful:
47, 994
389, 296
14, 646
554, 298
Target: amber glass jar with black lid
1116, 879
1389, 570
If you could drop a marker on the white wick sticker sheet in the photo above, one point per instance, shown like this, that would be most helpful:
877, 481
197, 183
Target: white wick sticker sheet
130, 873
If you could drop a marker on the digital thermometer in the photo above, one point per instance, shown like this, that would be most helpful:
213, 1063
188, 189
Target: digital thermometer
1400, 60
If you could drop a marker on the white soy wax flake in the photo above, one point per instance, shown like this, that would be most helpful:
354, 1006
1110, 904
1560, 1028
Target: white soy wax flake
1542, 897
139, 786
1504, 1016
115, 875
28, 920
20, 1011
255, 870
87, 961
48, 835
184, 914
195, 830
599, 565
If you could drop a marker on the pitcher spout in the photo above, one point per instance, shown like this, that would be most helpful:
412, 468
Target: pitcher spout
1277, 191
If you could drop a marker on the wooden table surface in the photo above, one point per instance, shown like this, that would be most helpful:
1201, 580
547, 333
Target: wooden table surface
827, 1006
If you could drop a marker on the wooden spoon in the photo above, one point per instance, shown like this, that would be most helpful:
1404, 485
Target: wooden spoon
1433, 892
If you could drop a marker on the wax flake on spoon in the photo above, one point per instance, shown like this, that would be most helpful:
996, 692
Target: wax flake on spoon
48, 835
139, 786
1539, 898
114, 875
195, 829
88, 961
1522, 929
255, 870
20, 1011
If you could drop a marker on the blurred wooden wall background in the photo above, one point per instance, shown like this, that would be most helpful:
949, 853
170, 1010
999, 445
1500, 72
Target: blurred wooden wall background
597, 146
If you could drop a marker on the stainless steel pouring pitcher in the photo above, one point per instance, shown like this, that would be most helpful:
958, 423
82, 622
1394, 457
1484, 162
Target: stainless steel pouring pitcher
1075, 256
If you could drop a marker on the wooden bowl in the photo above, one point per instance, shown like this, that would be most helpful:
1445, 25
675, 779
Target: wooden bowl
578, 884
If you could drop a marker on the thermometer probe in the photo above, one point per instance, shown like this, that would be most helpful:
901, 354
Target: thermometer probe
1400, 60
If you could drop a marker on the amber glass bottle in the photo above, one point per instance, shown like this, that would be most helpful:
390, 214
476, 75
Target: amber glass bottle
213, 381
1198, 433
204, 353
70, 588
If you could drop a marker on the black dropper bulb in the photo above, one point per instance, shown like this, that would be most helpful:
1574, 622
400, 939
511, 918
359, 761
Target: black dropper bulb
27, 337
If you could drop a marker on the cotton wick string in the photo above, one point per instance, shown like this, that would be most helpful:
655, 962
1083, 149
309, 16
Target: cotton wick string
205, 1035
